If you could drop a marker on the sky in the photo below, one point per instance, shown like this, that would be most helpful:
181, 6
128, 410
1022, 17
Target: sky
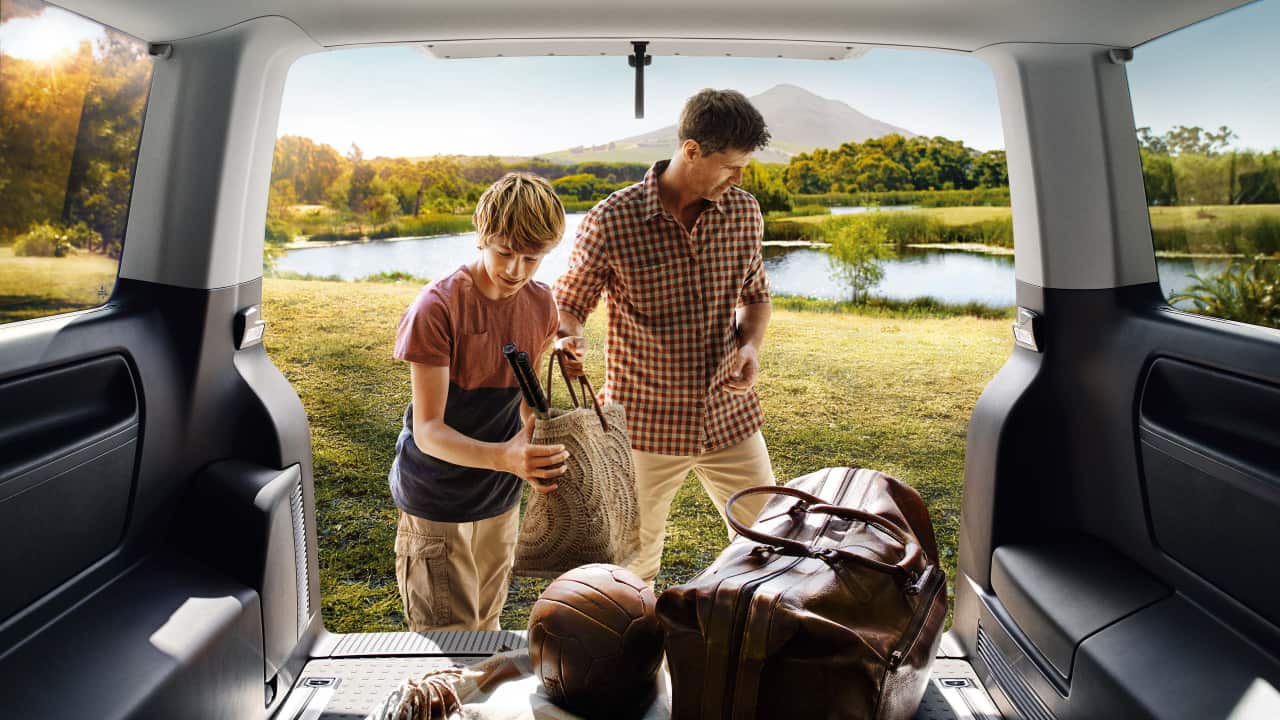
400, 101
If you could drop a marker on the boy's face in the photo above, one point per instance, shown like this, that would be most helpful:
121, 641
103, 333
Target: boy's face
507, 269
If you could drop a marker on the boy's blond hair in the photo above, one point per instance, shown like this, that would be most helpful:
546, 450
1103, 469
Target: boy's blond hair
522, 209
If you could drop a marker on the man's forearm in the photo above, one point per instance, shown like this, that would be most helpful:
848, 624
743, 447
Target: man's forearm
752, 321
570, 325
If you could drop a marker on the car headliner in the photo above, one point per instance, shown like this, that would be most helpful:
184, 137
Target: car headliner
944, 24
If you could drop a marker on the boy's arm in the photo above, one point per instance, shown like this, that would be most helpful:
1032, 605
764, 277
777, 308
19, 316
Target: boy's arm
534, 463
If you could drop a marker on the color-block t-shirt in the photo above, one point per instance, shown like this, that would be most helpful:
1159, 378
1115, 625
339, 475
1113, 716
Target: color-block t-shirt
451, 323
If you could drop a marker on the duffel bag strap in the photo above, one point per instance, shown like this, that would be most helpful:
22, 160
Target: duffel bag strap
557, 357
910, 568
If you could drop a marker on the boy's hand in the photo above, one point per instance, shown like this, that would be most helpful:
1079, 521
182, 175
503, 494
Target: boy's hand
746, 370
537, 465
574, 349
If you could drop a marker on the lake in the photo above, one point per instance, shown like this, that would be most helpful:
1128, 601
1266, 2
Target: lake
947, 275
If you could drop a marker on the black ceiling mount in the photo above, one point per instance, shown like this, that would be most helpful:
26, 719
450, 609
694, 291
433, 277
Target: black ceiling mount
638, 60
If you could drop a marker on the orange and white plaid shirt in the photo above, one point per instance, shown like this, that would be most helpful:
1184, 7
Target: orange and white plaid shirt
671, 297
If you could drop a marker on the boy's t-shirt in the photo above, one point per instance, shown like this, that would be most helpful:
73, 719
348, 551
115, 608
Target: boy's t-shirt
452, 323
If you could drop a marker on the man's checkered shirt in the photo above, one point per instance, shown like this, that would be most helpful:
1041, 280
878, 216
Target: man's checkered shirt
671, 299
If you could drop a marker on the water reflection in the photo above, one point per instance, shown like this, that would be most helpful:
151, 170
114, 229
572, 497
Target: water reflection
948, 276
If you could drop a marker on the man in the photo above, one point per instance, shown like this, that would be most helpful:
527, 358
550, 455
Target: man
688, 303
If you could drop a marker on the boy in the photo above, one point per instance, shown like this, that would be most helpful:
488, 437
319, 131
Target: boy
465, 445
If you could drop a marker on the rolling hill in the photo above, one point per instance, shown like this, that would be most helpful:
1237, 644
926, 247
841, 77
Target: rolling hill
799, 120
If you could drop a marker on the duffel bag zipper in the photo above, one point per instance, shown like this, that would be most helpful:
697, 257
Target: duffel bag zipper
742, 607
914, 628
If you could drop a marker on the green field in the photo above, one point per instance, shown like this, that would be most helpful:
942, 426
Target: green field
33, 287
880, 389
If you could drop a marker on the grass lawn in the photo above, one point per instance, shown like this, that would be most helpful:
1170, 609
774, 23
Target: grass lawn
1199, 217
881, 389
32, 287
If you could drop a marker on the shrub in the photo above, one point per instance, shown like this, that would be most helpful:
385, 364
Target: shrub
799, 211
43, 240
81, 235
394, 276
857, 247
1247, 293
426, 224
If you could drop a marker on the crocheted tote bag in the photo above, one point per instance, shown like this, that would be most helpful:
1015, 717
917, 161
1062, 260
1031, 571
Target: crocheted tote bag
591, 517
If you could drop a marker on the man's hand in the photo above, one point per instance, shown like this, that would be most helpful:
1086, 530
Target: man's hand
573, 349
537, 465
746, 370
571, 343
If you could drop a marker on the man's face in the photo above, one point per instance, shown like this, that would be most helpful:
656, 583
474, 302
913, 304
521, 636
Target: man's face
507, 269
714, 174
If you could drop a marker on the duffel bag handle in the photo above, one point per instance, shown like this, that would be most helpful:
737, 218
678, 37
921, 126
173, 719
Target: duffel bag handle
557, 356
909, 568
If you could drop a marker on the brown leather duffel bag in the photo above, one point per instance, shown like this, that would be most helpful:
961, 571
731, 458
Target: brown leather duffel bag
830, 606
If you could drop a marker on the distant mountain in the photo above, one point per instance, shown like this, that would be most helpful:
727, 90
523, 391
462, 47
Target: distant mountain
799, 121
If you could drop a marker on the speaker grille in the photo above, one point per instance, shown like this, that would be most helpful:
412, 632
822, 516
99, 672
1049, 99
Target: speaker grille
301, 573
459, 643
1015, 688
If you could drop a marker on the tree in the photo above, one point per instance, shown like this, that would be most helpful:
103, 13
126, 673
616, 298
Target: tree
308, 166
877, 173
1158, 178
857, 248
803, 176
766, 186
69, 130
991, 169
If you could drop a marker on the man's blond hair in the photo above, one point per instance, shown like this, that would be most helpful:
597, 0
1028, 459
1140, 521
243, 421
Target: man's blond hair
523, 210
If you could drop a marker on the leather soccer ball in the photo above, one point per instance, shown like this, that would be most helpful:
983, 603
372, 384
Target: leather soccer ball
596, 643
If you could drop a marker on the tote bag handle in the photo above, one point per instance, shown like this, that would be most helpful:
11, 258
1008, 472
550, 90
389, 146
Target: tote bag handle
557, 357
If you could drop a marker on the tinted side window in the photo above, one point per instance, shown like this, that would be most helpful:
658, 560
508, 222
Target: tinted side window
72, 95
1206, 101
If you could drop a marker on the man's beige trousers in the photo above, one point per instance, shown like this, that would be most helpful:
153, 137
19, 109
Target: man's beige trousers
454, 576
722, 473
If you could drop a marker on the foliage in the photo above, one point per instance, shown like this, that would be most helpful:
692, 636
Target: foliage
856, 250
305, 167
1248, 293
395, 276
276, 236
424, 225
920, 307
585, 186
979, 226
69, 132
572, 206
799, 211
42, 240
1192, 166
894, 163
919, 198
765, 183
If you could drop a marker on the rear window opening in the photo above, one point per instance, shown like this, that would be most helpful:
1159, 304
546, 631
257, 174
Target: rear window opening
887, 243
1210, 150
72, 97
